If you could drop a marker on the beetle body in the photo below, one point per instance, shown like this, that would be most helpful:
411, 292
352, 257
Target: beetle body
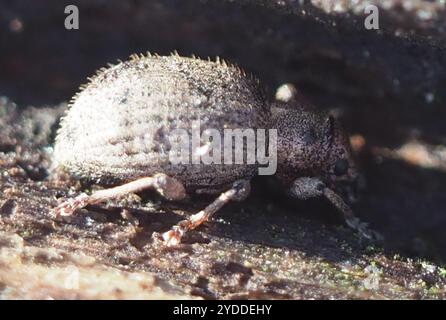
118, 129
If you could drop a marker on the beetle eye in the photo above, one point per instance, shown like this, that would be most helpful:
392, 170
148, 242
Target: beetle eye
341, 167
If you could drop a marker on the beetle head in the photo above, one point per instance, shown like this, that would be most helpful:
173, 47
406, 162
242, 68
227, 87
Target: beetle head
313, 144
340, 171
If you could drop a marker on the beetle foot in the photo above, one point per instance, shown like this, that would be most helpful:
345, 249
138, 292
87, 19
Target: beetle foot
173, 237
363, 229
68, 207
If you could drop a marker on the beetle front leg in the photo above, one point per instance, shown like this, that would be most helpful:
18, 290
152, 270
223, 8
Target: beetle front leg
166, 186
306, 187
239, 191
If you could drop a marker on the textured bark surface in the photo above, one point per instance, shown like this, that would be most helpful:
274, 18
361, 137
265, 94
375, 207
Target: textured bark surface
386, 86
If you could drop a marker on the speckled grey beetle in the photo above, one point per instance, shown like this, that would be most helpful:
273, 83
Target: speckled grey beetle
115, 132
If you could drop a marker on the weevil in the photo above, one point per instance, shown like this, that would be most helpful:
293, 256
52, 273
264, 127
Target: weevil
116, 133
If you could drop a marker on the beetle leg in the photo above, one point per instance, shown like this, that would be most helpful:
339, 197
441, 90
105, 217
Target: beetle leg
168, 187
349, 217
239, 191
305, 188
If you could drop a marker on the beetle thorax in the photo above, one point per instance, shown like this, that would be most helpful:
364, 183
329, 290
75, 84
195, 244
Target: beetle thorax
303, 142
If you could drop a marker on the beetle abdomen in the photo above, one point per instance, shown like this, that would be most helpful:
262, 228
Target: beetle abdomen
118, 127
